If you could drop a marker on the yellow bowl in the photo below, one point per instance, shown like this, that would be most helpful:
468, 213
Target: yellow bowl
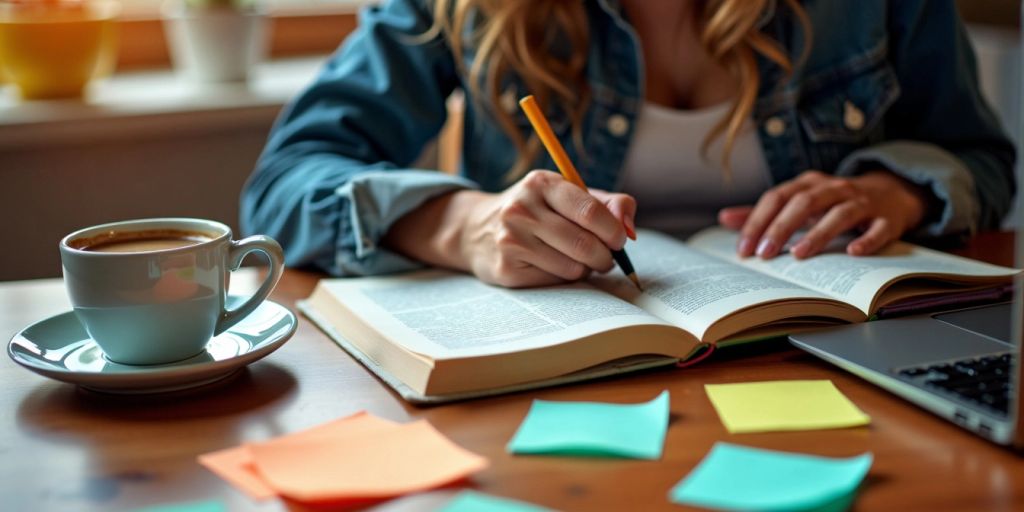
53, 49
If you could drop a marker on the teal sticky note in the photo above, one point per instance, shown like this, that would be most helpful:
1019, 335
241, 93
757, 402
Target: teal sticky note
735, 477
472, 501
194, 506
594, 429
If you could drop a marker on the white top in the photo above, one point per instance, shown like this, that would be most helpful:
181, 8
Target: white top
677, 190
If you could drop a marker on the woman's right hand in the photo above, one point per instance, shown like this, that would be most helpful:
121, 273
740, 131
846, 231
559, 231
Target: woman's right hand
543, 230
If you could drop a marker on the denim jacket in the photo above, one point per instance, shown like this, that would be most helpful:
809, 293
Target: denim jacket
886, 84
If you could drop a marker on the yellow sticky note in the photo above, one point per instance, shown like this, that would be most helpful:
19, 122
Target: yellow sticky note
783, 405
236, 465
368, 465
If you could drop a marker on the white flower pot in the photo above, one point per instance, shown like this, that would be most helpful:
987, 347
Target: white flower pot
215, 45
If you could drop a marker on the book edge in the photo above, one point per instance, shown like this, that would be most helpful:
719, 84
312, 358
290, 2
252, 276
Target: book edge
415, 397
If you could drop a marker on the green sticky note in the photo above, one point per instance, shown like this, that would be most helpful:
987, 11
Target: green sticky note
194, 506
783, 405
594, 429
735, 477
472, 501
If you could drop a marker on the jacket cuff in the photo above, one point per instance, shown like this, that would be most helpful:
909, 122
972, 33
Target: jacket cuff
370, 203
932, 168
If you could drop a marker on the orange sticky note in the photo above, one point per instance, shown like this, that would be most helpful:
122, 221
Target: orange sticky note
376, 463
236, 464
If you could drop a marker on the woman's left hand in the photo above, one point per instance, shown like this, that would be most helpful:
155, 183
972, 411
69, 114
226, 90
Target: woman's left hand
882, 204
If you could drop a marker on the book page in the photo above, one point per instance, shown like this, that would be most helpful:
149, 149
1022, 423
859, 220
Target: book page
443, 314
692, 289
852, 279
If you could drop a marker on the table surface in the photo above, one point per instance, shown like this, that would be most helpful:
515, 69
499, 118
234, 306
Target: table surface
62, 448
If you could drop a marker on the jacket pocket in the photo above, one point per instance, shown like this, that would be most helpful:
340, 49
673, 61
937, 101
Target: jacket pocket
844, 109
849, 111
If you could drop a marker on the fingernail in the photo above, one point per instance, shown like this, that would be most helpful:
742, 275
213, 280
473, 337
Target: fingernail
746, 246
630, 230
767, 248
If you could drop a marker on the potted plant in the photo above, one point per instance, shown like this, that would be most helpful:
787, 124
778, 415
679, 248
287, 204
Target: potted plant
215, 41
54, 48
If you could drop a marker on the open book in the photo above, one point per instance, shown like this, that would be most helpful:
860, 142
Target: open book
436, 335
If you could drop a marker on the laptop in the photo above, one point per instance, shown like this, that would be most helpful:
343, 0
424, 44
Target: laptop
964, 366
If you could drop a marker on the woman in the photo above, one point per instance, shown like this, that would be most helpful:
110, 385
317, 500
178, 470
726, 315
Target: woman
838, 115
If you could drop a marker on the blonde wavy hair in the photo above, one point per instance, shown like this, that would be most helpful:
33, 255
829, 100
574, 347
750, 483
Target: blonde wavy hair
516, 36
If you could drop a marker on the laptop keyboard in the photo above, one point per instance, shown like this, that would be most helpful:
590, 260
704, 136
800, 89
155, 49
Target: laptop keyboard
984, 380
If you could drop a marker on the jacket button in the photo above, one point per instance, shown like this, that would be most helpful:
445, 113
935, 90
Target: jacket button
508, 101
618, 125
775, 126
853, 117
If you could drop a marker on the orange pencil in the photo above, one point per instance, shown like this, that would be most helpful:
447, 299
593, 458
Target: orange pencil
568, 170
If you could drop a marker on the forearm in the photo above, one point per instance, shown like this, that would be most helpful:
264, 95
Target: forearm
947, 178
338, 167
332, 212
432, 233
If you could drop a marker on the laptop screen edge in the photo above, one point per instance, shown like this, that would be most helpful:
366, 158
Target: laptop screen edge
1018, 308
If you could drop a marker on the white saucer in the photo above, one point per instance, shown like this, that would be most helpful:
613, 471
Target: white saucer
58, 347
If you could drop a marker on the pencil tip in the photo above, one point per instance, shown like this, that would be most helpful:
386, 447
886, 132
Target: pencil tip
636, 281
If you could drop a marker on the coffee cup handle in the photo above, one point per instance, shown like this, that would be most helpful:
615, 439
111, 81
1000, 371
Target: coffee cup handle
238, 251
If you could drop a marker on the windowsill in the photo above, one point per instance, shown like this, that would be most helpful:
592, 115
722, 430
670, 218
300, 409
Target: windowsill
153, 102
136, 10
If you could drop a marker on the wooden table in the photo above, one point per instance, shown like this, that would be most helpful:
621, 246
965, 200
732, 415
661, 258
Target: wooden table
64, 449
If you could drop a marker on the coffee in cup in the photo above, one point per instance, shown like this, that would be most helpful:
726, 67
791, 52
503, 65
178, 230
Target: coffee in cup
141, 241
154, 291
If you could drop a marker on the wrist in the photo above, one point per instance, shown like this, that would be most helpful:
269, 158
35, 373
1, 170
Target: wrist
452, 237
432, 232
914, 200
